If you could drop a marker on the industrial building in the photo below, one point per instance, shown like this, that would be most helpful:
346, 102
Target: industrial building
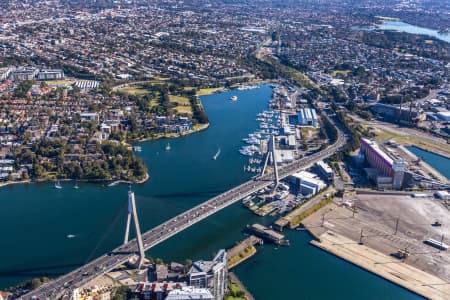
212, 275
307, 117
406, 114
308, 183
386, 172
325, 170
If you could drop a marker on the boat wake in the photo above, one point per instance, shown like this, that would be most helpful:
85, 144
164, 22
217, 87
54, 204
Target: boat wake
216, 155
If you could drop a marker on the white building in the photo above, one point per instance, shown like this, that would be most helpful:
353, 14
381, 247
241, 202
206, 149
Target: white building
307, 117
190, 293
4, 73
444, 195
89, 116
25, 73
307, 183
211, 274
444, 115
50, 74
325, 169
284, 156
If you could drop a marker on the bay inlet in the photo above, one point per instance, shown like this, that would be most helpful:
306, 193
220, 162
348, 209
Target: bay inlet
36, 220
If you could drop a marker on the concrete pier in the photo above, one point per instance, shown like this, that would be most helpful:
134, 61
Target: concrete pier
388, 267
243, 251
268, 234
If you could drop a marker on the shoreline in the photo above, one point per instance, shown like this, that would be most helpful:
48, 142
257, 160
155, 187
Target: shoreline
112, 183
200, 128
234, 279
366, 256
390, 269
430, 169
440, 153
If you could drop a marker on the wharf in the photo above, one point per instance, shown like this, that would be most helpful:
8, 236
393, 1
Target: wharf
242, 251
385, 266
371, 239
292, 216
268, 234
266, 209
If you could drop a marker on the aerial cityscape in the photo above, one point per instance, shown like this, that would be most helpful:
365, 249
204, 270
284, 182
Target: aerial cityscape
224, 150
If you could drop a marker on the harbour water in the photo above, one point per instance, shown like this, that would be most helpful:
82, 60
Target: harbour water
409, 28
439, 162
46, 231
405, 27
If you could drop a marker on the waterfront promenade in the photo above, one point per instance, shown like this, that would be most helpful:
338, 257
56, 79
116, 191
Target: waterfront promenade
64, 285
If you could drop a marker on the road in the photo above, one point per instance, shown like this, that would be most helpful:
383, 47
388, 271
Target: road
107, 262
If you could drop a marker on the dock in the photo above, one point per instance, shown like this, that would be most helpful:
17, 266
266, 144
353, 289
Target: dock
243, 251
268, 234
385, 266
266, 209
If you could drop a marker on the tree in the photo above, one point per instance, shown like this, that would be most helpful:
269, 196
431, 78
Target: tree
121, 293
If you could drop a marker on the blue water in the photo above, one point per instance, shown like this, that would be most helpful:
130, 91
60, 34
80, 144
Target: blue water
408, 28
440, 163
35, 219
405, 27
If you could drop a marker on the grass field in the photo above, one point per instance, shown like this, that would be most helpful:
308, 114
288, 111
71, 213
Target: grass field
183, 105
243, 255
59, 82
343, 72
424, 143
235, 290
135, 90
204, 92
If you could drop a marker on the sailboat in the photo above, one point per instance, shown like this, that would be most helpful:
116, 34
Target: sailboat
76, 185
217, 154
58, 185
168, 147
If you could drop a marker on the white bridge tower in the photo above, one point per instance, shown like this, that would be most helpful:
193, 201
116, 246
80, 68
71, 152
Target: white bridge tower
132, 212
271, 154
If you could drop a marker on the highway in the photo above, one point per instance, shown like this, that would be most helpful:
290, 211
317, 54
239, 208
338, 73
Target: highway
65, 284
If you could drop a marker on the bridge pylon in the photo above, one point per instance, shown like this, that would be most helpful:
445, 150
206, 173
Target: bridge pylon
133, 213
271, 154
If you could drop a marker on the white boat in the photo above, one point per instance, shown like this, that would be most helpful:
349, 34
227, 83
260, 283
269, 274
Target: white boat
76, 186
70, 236
58, 185
234, 98
137, 148
168, 147
217, 154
